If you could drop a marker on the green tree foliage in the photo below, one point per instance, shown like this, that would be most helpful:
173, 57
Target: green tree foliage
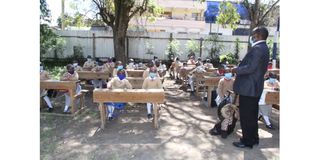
215, 47
192, 47
117, 14
237, 49
228, 15
49, 41
173, 48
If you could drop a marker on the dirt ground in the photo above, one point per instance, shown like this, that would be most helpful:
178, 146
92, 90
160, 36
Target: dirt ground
183, 133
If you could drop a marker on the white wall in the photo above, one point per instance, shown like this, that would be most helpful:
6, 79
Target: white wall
137, 42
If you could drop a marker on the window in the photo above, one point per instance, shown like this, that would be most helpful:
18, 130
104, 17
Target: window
167, 15
195, 16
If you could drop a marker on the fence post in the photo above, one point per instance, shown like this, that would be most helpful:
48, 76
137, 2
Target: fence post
94, 45
127, 48
201, 39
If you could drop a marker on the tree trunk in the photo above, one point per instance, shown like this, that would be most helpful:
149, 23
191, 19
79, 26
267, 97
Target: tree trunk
119, 45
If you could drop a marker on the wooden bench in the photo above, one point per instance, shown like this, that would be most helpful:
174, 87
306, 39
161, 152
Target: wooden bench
154, 96
135, 73
66, 85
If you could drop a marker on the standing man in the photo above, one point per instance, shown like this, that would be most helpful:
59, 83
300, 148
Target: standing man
249, 85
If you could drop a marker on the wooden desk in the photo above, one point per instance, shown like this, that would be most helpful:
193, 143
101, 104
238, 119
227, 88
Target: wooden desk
211, 83
89, 75
154, 96
135, 73
65, 85
276, 71
272, 97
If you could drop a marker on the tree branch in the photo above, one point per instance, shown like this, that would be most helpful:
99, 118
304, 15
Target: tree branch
140, 9
262, 18
107, 17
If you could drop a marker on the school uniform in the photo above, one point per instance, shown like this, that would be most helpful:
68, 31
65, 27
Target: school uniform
97, 83
264, 109
88, 65
70, 77
193, 78
116, 83
44, 75
151, 83
223, 86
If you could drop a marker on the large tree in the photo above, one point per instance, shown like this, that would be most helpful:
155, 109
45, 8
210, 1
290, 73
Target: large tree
260, 13
117, 14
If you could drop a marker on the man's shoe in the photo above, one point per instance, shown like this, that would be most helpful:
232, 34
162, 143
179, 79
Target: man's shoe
270, 127
241, 145
149, 116
50, 110
110, 118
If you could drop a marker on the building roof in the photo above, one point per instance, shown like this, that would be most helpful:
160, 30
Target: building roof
181, 4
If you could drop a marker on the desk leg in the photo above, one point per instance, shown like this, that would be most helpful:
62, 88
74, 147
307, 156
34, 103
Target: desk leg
209, 96
156, 115
72, 103
102, 109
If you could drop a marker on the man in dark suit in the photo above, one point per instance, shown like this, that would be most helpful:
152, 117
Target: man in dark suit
249, 85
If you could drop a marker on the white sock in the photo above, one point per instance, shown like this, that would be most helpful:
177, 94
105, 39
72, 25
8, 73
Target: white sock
266, 119
149, 108
110, 111
67, 103
46, 98
65, 108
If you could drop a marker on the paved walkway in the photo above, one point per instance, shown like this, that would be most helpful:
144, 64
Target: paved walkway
183, 134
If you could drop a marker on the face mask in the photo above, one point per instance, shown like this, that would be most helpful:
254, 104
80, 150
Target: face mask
71, 72
41, 68
122, 76
228, 76
252, 40
152, 75
75, 64
119, 67
272, 80
89, 59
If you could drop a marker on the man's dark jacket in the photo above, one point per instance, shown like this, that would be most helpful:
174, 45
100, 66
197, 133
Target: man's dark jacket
250, 72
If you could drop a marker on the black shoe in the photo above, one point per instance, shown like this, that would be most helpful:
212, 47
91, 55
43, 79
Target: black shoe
241, 145
224, 134
270, 127
149, 116
50, 110
260, 118
110, 118
256, 141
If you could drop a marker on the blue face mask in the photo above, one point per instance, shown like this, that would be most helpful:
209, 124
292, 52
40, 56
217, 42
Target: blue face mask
152, 75
272, 80
228, 76
252, 40
122, 76
119, 68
